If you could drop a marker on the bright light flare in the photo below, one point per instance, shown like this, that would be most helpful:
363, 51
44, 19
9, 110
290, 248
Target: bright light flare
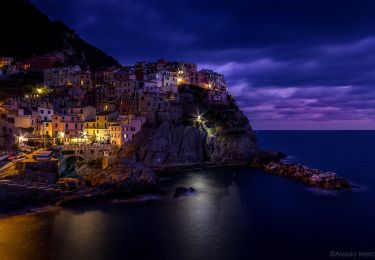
61, 135
199, 118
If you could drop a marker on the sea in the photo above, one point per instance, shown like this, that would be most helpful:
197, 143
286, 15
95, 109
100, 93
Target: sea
235, 213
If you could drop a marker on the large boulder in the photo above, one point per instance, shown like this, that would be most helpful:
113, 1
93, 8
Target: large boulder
126, 176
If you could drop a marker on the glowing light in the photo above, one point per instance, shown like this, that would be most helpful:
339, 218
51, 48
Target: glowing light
199, 118
39, 90
61, 135
2, 109
84, 134
179, 80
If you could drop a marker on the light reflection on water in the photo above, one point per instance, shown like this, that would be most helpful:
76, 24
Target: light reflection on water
172, 227
23, 237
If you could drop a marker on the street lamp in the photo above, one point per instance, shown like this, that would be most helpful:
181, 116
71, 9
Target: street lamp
61, 136
199, 118
21, 138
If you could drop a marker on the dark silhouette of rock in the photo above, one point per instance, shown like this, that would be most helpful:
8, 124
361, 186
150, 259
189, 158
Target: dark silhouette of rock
313, 177
127, 176
183, 191
28, 32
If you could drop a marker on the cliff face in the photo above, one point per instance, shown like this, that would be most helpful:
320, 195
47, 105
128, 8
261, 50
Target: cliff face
174, 143
26, 32
222, 135
236, 147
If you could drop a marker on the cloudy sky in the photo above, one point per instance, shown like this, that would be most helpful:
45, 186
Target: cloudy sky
290, 64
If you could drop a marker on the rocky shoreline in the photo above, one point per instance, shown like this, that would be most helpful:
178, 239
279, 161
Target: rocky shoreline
130, 178
313, 177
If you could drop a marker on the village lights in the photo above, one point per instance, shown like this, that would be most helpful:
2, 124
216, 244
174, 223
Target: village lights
21, 139
2, 109
84, 134
61, 135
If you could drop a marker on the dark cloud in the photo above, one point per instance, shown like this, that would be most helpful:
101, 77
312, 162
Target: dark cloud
291, 64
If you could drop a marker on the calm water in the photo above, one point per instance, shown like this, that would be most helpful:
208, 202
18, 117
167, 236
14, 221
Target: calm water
237, 213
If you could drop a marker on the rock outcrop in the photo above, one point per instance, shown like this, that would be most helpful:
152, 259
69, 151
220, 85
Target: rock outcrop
183, 191
313, 177
37, 184
126, 176
221, 135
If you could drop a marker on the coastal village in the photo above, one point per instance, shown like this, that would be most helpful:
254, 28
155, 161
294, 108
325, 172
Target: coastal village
71, 118
77, 117
73, 106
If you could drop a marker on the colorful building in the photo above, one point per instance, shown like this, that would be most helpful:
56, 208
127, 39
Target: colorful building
99, 129
209, 79
126, 129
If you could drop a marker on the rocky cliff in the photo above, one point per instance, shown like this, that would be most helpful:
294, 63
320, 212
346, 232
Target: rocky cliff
26, 32
216, 133
125, 176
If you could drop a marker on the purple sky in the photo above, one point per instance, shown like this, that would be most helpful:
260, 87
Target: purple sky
290, 64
